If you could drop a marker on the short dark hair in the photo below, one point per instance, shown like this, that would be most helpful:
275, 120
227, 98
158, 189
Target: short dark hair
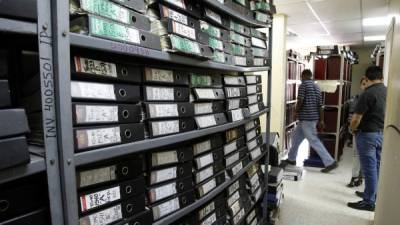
374, 73
306, 73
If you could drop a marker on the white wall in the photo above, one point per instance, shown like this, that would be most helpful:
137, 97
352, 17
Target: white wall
359, 69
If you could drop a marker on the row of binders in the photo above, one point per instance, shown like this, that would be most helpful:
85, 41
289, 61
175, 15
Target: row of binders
148, 187
179, 26
128, 103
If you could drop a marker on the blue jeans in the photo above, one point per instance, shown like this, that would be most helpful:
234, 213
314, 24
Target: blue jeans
308, 130
369, 145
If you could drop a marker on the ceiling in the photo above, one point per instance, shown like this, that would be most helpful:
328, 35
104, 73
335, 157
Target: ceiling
332, 22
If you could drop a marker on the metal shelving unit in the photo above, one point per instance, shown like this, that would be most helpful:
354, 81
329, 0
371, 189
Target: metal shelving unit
54, 45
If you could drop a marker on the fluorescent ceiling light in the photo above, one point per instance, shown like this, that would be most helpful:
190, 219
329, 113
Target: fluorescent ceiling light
376, 21
317, 17
374, 38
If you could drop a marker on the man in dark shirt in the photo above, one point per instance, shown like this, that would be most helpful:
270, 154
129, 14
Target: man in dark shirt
367, 124
310, 113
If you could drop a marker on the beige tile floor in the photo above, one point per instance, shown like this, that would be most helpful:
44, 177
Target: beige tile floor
320, 199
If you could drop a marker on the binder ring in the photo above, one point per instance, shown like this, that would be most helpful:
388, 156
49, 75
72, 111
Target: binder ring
181, 186
136, 223
216, 93
181, 155
122, 92
178, 77
125, 114
181, 170
143, 38
128, 189
4, 205
183, 125
124, 71
191, 24
129, 208
183, 110
184, 200
125, 170
128, 133
178, 93
133, 18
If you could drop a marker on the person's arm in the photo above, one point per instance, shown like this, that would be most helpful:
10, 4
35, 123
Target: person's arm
355, 121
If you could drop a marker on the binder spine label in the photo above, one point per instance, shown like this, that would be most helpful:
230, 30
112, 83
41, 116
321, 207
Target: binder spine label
237, 168
95, 176
237, 38
91, 114
99, 198
248, 126
107, 9
175, 15
205, 93
238, 50
261, 16
92, 90
179, 3
96, 137
165, 127
184, 30
257, 195
184, 45
205, 160
85, 65
251, 79
254, 108
234, 197
117, 31
258, 61
235, 208
162, 192
255, 222
233, 92
258, 42
162, 158
250, 135
237, 114
252, 144
217, 44
165, 208
241, 61
237, 27
233, 188
206, 210
206, 121
204, 174
201, 147
251, 216
238, 216
231, 159
259, 52
252, 99
162, 175
211, 30
233, 80
228, 148
202, 108
255, 185
233, 104
214, 16
163, 110
207, 187
218, 57
200, 80
210, 220
160, 93
159, 75
255, 153
103, 217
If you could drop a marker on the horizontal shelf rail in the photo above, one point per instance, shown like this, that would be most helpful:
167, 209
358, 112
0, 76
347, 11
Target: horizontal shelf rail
17, 26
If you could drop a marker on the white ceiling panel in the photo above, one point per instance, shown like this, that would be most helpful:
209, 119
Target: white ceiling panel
344, 27
379, 30
374, 8
308, 29
332, 10
297, 13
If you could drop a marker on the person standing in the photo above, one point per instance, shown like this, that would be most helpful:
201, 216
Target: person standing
367, 123
310, 114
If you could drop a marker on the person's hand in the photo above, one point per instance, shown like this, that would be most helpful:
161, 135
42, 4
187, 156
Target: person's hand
321, 125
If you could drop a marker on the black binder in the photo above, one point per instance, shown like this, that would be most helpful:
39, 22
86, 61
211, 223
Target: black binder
14, 151
202, 94
5, 100
206, 144
162, 94
137, 5
169, 173
143, 218
105, 91
162, 191
201, 108
210, 120
171, 205
167, 157
37, 217
168, 127
165, 76
167, 12
13, 122
168, 110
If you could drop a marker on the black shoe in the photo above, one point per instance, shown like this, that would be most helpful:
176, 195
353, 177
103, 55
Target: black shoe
360, 194
286, 162
355, 182
361, 205
331, 167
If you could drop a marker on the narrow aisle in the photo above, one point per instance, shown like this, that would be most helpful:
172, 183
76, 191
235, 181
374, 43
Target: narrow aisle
320, 199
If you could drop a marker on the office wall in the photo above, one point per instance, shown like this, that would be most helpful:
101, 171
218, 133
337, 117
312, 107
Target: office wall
359, 69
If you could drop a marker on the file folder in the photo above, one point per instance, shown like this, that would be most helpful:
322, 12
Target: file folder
13, 122
253, 99
168, 110
161, 158
5, 98
160, 192
169, 206
234, 133
210, 185
234, 145
210, 120
105, 91
170, 173
234, 80
167, 12
200, 80
208, 172
253, 79
166, 76
212, 142
208, 158
209, 94
236, 103
238, 114
168, 127
14, 151
162, 94
201, 108
252, 124
235, 92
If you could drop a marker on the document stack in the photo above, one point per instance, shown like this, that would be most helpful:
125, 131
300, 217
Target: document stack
214, 212
238, 201
253, 135
275, 188
208, 100
121, 21
261, 9
259, 45
105, 97
254, 95
235, 151
169, 174
235, 92
219, 42
241, 44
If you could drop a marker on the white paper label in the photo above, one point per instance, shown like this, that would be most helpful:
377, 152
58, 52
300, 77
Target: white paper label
206, 210
177, 16
233, 80
255, 222
202, 108
258, 194
240, 61
258, 42
165, 208
163, 192
205, 121
251, 89
201, 147
159, 75
251, 79
252, 99
258, 61
92, 90
99, 198
204, 160
210, 220
254, 108
233, 188
233, 92
251, 216
209, 186
103, 217
98, 137
234, 197
214, 16
184, 30
165, 127
95, 114
113, 11
238, 217
235, 208
228, 148
254, 179
250, 135
178, 3
231, 159
252, 144
95, 176
85, 65
160, 94
163, 110
237, 168
233, 104
162, 158
204, 174
237, 115
162, 175
205, 93
255, 185
255, 153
